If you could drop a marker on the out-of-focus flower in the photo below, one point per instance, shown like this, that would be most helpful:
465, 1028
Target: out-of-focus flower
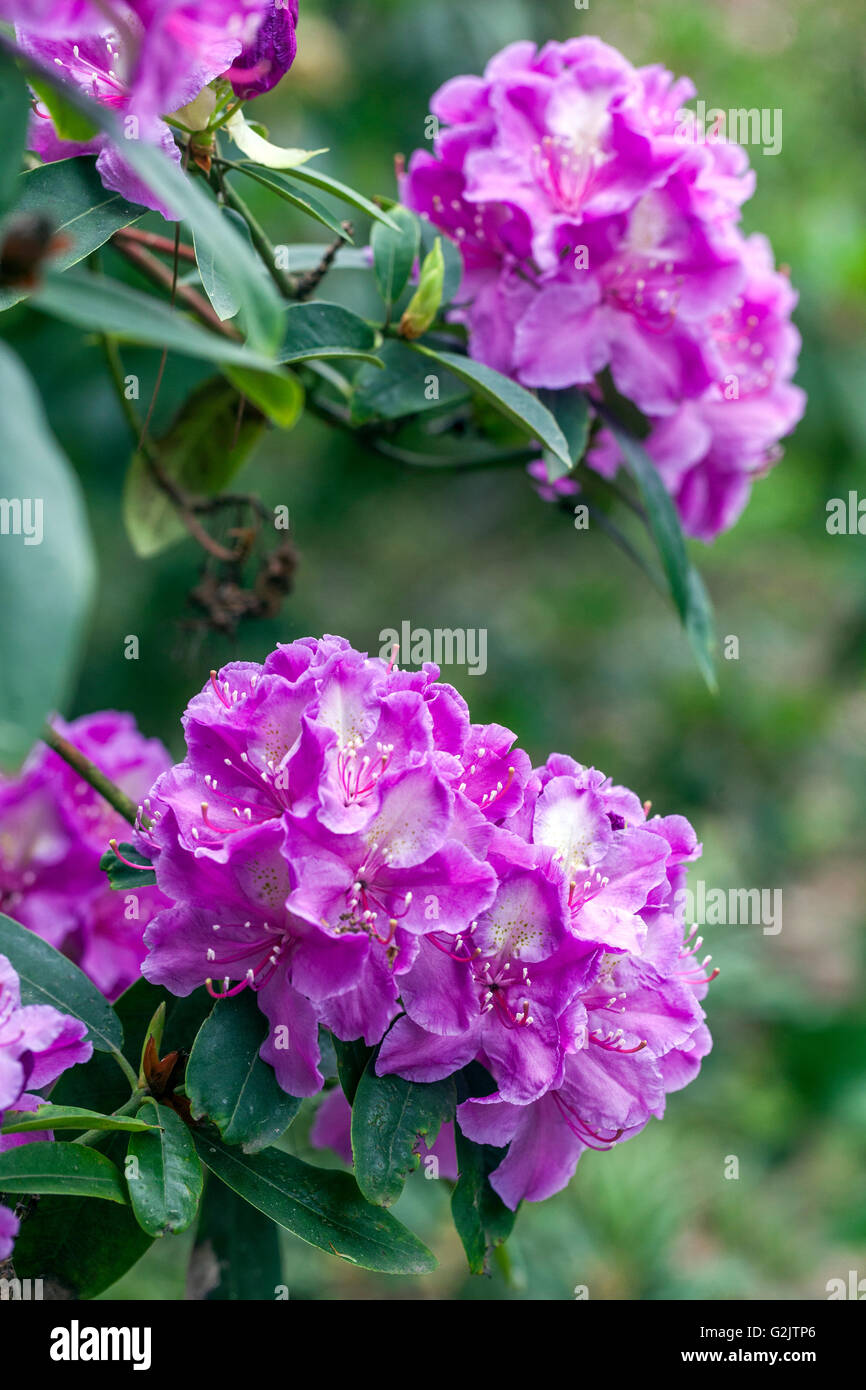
54, 829
37, 1044
146, 60
599, 230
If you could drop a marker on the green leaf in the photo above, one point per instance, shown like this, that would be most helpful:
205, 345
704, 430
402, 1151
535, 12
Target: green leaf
424, 305
511, 400
103, 305
14, 115
166, 1189
237, 1250
70, 192
345, 194
321, 329
76, 1255
279, 396
220, 288
121, 876
687, 590
203, 449
49, 978
395, 252
227, 1080
261, 304
388, 1117
352, 1058
303, 201
453, 259
322, 1207
570, 409
67, 1117
70, 1169
481, 1218
402, 388
45, 553
69, 123
701, 629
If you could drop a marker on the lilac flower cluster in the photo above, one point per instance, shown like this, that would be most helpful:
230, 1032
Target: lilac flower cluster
345, 842
146, 60
37, 1043
54, 828
600, 229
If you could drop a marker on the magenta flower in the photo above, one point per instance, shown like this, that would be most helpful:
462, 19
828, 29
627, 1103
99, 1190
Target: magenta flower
37, 1044
54, 828
316, 819
150, 60
267, 59
600, 231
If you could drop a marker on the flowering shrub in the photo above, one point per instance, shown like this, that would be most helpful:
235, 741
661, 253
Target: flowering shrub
600, 230
54, 828
37, 1044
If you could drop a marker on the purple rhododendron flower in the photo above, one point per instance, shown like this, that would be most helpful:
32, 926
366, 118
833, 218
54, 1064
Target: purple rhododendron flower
268, 58
54, 828
599, 229
343, 841
37, 1044
149, 60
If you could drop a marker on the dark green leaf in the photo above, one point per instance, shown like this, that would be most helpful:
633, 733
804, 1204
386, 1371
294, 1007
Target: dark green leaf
67, 1117
352, 1058
511, 400
46, 551
570, 409
49, 978
701, 629
203, 449
227, 1081
403, 388
120, 875
68, 121
321, 329
395, 252
388, 1117
482, 1219
14, 115
322, 1207
345, 194
103, 305
70, 192
219, 287
76, 1255
63, 1169
687, 590
298, 197
166, 1185
237, 1250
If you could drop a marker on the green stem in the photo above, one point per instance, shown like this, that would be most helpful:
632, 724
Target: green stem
92, 1136
127, 1069
260, 240
96, 779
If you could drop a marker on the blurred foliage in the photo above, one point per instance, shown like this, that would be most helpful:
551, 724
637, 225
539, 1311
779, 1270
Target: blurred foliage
584, 659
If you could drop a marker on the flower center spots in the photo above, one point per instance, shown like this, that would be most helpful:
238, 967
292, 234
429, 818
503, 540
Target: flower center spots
738, 338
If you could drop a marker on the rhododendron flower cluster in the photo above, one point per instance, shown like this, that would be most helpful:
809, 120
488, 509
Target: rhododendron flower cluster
37, 1044
342, 840
146, 60
54, 828
599, 227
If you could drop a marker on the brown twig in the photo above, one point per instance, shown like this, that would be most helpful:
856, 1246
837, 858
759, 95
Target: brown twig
162, 276
154, 242
307, 283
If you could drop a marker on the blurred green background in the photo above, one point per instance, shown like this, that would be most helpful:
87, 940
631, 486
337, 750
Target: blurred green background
584, 658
